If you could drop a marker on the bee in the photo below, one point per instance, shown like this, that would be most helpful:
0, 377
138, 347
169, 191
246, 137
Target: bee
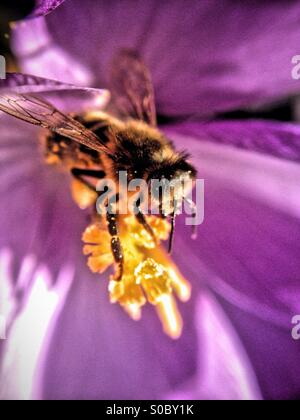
125, 138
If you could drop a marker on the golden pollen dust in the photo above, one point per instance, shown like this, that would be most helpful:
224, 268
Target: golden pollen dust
149, 273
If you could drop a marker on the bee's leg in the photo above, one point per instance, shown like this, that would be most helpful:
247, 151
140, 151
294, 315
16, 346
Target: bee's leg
81, 173
116, 246
173, 224
194, 216
140, 217
161, 211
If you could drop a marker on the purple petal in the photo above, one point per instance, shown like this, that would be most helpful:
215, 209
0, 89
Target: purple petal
221, 359
40, 56
279, 140
248, 251
137, 361
204, 57
29, 334
272, 352
249, 235
143, 364
257, 176
43, 7
33, 216
35, 200
66, 97
109, 356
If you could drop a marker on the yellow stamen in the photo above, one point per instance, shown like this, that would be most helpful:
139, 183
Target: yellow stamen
98, 248
170, 317
180, 285
149, 273
154, 279
160, 227
83, 196
134, 311
126, 292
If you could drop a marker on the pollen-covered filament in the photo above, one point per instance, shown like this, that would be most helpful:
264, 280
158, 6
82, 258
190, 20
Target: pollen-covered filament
149, 273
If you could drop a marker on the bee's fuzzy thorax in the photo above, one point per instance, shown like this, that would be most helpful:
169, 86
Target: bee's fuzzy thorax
144, 150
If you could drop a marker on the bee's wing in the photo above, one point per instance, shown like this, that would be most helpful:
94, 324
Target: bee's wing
39, 112
132, 88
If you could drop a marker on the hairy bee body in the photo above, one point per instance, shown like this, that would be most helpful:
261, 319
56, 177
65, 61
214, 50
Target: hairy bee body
101, 145
60, 150
140, 150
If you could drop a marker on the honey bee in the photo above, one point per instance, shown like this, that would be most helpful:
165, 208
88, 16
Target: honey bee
100, 145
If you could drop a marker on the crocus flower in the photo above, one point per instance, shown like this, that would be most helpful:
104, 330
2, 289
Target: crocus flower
65, 340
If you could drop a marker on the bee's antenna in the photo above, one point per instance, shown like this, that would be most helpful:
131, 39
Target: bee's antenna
173, 224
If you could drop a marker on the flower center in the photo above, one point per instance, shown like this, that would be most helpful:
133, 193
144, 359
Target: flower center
149, 273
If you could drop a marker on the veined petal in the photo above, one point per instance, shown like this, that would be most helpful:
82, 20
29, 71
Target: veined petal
265, 178
37, 208
245, 248
66, 97
41, 56
205, 58
281, 140
82, 324
22, 354
221, 360
144, 363
43, 7
248, 239
248, 252
109, 356
272, 351
35, 212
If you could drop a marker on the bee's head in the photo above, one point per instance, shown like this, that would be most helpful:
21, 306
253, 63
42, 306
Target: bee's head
171, 182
